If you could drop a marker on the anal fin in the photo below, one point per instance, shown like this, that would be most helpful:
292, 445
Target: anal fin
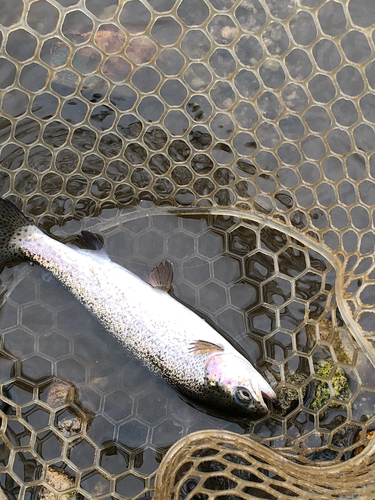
161, 276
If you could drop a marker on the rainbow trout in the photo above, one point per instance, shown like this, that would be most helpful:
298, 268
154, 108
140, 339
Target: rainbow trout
163, 334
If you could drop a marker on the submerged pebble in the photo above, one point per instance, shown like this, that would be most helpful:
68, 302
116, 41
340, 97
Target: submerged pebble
369, 435
288, 397
344, 438
59, 393
60, 481
70, 426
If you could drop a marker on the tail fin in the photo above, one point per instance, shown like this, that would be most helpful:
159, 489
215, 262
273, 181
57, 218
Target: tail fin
13, 229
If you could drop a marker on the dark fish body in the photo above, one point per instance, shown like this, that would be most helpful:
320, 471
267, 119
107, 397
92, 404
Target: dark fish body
166, 336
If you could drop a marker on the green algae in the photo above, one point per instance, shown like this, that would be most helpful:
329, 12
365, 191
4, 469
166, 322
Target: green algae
339, 382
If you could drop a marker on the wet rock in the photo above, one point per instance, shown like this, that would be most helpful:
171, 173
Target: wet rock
288, 397
60, 481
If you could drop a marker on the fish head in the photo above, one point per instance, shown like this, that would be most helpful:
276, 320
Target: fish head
237, 383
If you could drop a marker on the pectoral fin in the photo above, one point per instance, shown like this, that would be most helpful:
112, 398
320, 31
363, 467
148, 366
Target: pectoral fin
204, 347
161, 276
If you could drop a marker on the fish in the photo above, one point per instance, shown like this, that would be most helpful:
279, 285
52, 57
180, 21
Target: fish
166, 336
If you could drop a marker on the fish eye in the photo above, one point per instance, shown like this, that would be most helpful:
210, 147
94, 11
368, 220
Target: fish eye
242, 395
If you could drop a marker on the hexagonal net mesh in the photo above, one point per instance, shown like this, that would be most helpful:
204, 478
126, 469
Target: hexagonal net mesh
234, 138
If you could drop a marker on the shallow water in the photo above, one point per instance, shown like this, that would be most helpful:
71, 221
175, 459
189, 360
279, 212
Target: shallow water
261, 287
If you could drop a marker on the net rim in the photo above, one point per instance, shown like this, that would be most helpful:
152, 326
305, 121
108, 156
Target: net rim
323, 474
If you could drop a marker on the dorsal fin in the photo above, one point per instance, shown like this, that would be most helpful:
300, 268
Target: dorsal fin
204, 347
161, 276
89, 241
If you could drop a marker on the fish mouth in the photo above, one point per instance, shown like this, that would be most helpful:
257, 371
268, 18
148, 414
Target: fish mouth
266, 394
268, 400
264, 405
265, 390
270, 397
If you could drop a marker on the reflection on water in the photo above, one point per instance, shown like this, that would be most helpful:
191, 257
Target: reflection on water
76, 399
